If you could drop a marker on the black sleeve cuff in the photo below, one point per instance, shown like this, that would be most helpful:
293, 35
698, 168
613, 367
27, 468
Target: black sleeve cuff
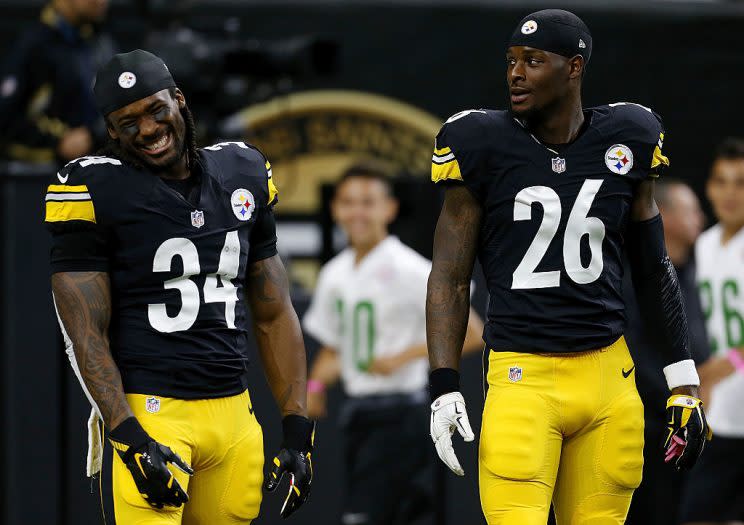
297, 432
443, 381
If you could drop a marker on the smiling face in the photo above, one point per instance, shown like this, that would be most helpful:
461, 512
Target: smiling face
539, 79
152, 130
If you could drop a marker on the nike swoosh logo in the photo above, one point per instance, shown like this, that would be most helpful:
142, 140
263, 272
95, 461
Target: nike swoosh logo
626, 374
62, 179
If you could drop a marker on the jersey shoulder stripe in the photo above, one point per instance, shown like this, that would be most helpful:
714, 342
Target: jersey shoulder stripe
69, 203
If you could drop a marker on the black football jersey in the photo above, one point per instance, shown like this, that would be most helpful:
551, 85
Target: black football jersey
551, 237
179, 323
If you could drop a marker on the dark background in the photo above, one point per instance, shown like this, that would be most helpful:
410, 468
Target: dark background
685, 60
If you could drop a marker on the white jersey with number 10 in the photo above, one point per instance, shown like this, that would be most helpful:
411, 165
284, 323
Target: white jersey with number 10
375, 308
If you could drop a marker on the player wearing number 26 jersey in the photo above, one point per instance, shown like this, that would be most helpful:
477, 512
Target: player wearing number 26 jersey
548, 196
158, 249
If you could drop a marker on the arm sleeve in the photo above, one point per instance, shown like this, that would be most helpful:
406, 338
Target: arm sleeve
79, 243
645, 138
263, 235
458, 155
322, 321
657, 290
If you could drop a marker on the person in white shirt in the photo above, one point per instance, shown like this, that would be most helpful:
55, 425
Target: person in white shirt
718, 496
368, 313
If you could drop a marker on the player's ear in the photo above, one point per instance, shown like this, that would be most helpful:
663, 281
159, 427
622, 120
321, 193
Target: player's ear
180, 99
111, 131
576, 67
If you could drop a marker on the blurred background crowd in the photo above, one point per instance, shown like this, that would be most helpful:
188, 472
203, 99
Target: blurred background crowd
327, 88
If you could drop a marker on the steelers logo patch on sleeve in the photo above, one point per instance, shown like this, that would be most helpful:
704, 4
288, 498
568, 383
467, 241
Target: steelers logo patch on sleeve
619, 159
243, 204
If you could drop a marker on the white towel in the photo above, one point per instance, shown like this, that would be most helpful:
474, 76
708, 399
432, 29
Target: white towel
95, 445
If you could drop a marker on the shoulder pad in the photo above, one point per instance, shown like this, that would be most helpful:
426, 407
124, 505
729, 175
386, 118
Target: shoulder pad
245, 160
638, 116
470, 128
68, 198
644, 127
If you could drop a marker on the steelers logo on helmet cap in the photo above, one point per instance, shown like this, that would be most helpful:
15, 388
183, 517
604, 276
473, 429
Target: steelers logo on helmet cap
127, 79
529, 27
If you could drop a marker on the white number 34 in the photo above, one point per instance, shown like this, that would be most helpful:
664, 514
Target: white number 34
218, 287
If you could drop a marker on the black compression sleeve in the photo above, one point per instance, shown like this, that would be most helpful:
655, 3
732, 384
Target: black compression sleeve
657, 289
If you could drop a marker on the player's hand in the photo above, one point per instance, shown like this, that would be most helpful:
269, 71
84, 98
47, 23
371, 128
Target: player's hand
147, 461
386, 365
687, 431
447, 414
296, 461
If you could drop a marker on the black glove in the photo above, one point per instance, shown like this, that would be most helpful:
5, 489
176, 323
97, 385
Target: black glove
687, 431
148, 460
294, 458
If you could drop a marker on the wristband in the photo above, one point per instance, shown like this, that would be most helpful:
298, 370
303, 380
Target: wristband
296, 430
315, 387
736, 359
443, 381
128, 437
681, 373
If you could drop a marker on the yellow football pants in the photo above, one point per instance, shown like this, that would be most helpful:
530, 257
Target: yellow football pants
562, 427
221, 440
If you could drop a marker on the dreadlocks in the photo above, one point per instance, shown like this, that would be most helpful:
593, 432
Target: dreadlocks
112, 148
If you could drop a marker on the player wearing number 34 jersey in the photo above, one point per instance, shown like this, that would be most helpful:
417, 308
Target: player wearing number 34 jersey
158, 249
548, 196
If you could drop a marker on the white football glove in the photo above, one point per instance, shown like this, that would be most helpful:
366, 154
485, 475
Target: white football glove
447, 413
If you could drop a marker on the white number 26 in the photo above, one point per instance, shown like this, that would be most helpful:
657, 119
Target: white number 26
525, 276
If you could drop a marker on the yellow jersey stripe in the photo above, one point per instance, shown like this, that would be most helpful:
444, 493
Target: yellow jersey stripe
70, 210
63, 188
442, 151
447, 171
658, 159
273, 192
268, 166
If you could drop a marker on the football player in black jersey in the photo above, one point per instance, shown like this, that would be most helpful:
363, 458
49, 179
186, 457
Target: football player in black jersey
548, 196
159, 248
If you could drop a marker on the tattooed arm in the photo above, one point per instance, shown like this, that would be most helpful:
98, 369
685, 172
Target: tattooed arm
83, 301
278, 334
448, 294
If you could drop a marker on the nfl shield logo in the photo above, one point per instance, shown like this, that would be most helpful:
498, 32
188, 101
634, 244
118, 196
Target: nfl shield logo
197, 218
515, 374
559, 165
152, 404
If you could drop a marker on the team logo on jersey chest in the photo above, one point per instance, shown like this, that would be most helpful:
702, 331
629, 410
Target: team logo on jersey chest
197, 218
515, 373
619, 159
559, 165
243, 203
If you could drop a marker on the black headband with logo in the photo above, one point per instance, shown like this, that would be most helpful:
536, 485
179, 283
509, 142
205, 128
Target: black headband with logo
129, 77
556, 31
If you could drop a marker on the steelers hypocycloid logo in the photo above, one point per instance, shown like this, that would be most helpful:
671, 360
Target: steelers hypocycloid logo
619, 159
243, 203
529, 27
127, 79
